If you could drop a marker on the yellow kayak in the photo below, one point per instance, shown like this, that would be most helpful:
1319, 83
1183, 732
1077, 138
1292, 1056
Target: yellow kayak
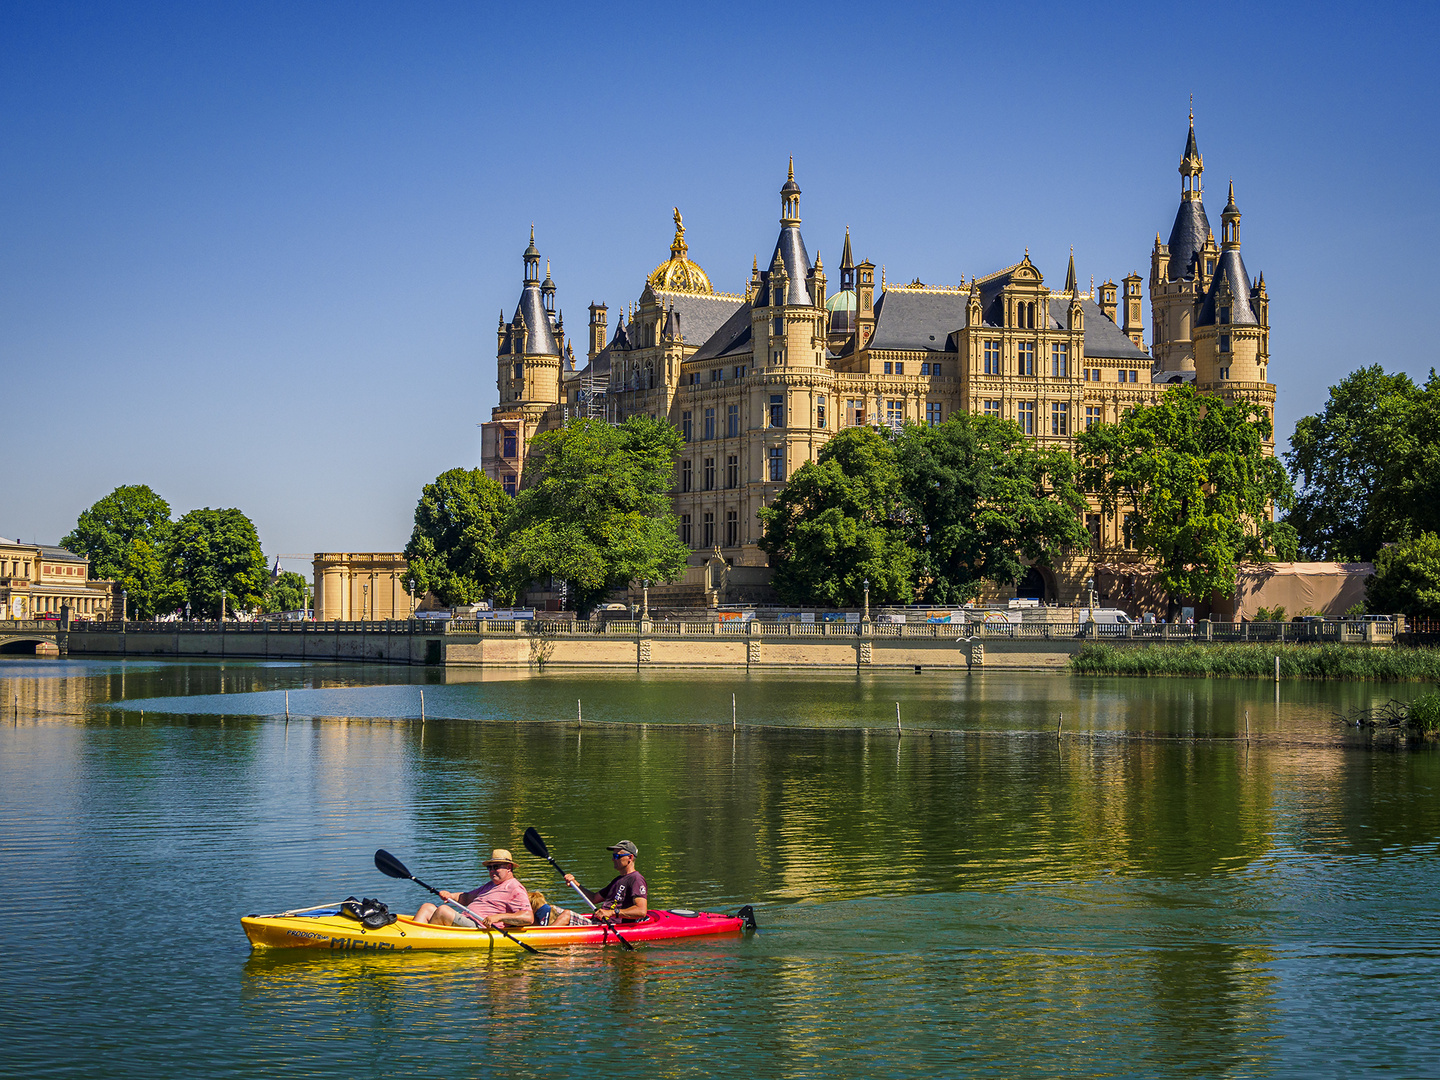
326, 928
340, 933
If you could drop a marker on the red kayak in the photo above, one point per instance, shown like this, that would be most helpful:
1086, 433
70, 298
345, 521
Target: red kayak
329, 928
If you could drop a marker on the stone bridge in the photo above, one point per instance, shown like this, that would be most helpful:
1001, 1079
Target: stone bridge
32, 637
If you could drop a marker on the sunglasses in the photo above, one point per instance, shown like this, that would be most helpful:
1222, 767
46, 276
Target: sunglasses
502, 866
620, 854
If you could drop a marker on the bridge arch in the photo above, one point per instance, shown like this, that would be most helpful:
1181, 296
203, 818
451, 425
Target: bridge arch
25, 645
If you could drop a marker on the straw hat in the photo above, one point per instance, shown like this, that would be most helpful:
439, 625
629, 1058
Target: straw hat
500, 855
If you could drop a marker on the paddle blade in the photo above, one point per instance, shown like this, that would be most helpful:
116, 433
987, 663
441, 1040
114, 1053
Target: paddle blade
534, 843
390, 866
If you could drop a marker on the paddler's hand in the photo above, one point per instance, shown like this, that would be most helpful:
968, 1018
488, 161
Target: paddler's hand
569, 879
448, 895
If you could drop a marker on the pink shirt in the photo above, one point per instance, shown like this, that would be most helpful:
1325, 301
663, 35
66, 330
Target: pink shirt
506, 898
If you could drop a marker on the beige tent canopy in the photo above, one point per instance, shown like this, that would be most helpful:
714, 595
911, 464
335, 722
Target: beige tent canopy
1311, 588
1318, 588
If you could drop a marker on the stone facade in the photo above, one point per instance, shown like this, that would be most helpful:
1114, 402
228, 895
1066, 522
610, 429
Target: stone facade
37, 580
758, 381
351, 586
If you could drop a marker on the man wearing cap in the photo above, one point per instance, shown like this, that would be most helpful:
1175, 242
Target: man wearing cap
624, 897
502, 901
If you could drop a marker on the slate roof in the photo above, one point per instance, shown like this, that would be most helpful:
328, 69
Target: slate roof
1187, 237
917, 321
1103, 339
699, 314
59, 554
733, 336
1231, 268
790, 246
531, 311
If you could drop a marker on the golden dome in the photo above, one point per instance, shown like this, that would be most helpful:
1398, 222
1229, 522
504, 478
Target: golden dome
678, 273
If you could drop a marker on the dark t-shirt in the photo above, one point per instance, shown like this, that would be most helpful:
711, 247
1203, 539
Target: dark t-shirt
623, 891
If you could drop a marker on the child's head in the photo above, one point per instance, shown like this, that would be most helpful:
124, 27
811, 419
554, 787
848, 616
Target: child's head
537, 899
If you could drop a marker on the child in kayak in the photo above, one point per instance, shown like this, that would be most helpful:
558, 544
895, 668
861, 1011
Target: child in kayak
502, 901
625, 897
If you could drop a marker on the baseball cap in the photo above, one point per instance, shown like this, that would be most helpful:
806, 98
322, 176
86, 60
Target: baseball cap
626, 846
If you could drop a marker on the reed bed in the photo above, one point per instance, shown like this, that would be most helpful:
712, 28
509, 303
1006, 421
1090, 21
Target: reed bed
1257, 661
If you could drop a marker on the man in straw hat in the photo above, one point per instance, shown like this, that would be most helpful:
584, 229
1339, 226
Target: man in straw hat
502, 901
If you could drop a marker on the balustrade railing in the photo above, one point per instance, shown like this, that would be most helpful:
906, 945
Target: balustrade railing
1330, 630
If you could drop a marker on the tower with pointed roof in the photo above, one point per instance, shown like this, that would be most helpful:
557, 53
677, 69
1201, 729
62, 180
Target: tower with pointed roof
1180, 270
1232, 324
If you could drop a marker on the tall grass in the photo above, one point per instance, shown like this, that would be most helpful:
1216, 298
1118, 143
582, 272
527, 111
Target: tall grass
1257, 661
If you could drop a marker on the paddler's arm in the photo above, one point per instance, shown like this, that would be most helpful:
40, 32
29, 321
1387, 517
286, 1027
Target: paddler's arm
510, 918
593, 897
635, 912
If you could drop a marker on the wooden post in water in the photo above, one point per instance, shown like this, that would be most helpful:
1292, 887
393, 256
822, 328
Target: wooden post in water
422, 706
898, 731
579, 716
287, 704
733, 722
1059, 724
1277, 668
1247, 725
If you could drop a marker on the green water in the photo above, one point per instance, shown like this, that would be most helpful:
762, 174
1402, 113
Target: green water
1148, 894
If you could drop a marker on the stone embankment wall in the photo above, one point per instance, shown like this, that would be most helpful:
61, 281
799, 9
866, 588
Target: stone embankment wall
627, 645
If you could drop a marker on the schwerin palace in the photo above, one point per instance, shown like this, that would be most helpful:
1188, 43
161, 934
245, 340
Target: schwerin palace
758, 381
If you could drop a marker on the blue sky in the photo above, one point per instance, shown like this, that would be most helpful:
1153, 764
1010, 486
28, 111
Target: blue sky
253, 255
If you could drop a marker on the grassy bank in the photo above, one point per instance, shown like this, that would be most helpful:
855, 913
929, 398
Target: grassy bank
1247, 661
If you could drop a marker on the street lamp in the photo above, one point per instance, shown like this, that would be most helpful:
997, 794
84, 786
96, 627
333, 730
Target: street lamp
412, 597
1090, 587
645, 598
867, 599
124, 605
364, 601
187, 610
222, 605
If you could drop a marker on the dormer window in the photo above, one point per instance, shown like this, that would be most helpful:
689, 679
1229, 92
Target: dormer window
1224, 314
1209, 266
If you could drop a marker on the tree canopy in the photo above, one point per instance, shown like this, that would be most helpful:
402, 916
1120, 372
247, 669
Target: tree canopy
1192, 473
454, 549
594, 509
124, 537
1407, 578
1360, 465
210, 550
288, 592
981, 500
838, 522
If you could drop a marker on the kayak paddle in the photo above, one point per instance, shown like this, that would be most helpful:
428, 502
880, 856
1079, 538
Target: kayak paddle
390, 866
535, 844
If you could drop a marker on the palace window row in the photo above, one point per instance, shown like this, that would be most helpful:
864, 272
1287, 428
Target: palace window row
707, 529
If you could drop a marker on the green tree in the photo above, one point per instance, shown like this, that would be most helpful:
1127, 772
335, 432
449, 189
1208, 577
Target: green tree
1354, 464
982, 499
1192, 473
288, 592
1407, 578
211, 550
838, 522
594, 509
454, 549
124, 536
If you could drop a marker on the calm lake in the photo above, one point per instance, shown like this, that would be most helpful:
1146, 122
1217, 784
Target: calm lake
1151, 893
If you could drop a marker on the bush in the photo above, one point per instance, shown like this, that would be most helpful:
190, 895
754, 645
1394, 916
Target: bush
1267, 614
1257, 661
1424, 714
